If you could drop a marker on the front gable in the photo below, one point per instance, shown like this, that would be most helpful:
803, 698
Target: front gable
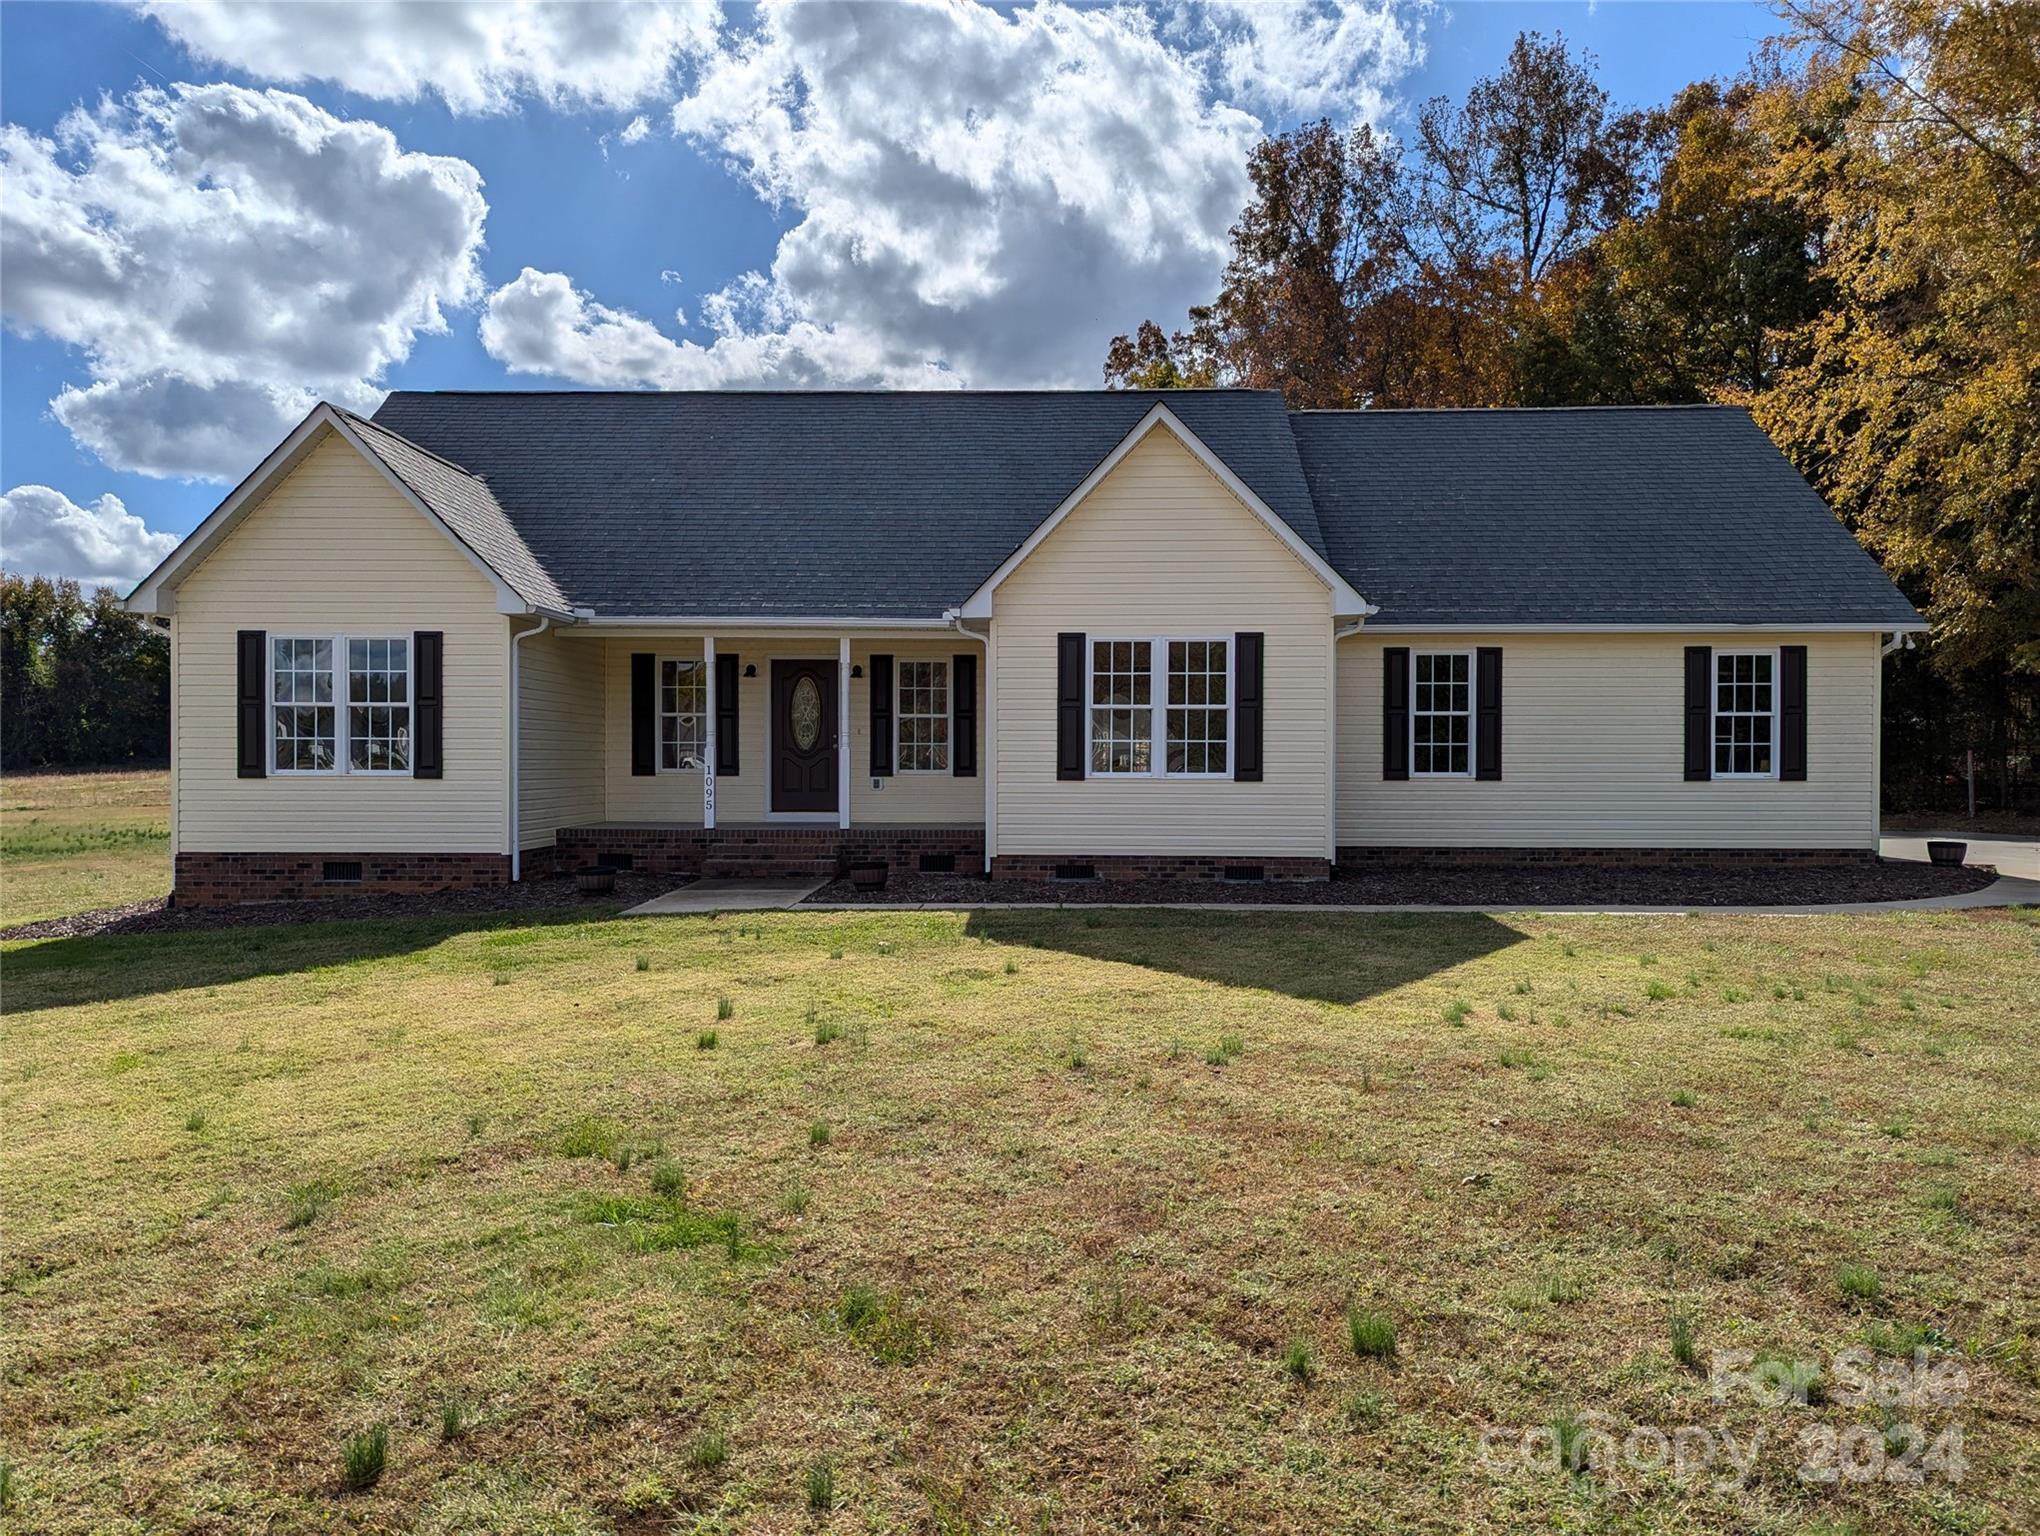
1160, 480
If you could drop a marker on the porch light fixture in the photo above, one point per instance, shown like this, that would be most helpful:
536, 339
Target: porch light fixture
856, 671
751, 669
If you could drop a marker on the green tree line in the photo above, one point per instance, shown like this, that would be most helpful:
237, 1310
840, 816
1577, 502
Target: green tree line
1845, 240
82, 681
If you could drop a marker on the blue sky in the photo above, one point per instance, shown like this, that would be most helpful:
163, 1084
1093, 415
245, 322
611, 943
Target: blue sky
345, 199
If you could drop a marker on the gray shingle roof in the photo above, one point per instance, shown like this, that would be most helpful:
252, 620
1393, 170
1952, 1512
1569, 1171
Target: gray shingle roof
1611, 515
898, 505
464, 503
871, 505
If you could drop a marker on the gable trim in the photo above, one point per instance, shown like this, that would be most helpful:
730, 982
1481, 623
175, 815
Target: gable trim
1346, 603
156, 592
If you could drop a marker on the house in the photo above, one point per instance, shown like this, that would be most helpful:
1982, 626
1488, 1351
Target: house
1040, 634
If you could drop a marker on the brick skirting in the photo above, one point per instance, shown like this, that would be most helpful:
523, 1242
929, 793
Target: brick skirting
753, 850
228, 879
1154, 866
1606, 858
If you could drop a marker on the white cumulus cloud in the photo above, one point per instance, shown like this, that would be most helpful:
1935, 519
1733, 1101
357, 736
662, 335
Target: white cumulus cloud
475, 55
222, 258
984, 198
45, 533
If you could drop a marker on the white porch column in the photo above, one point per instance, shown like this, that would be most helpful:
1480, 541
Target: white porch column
708, 734
843, 731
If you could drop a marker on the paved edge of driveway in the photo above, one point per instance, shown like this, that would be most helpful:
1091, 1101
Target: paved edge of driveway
2006, 892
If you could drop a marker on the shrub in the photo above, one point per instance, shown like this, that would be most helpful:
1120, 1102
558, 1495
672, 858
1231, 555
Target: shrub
1372, 1334
362, 1459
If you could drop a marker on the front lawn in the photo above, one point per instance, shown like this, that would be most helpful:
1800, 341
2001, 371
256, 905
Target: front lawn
72, 842
1019, 1221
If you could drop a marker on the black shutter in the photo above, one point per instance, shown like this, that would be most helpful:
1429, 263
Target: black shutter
251, 694
1395, 712
1699, 712
1487, 712
881, 668
1792, 712
1069, 706
963, 716
726, 671
644, 713
428, 704
1247, 650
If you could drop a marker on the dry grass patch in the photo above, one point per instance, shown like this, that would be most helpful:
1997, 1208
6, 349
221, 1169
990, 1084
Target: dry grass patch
1086, 1222
73, 842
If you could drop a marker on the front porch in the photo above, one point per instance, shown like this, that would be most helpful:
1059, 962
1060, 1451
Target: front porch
757, 849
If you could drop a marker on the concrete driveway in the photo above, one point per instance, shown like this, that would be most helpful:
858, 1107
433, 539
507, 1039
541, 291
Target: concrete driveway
2017, 857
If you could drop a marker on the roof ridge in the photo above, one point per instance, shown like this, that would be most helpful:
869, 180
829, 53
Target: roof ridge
1510, 410
809, 394
411, 443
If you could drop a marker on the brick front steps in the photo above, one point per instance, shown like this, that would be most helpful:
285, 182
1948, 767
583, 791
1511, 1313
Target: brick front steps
820, 852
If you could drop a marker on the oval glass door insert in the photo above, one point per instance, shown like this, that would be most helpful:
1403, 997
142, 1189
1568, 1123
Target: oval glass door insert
805, 712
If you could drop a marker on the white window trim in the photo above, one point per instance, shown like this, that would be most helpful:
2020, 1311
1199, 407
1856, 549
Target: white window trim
1157, 705
659, 714
342, 758
900, 713
1714, 710
1472, 715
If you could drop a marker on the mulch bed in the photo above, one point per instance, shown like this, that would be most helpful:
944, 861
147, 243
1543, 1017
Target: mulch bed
159, 916
1417, 884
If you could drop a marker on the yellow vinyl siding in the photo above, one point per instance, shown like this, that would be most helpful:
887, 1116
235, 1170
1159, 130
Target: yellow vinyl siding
1161, 547
1593, 755
560, 774
916, 799
333, 550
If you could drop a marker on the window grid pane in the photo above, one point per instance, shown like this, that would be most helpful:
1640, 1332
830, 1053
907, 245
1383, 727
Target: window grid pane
1122, 713
304, 722
378, 705
923, 719
1441, 714
683, 710
1743, 715
1199, 675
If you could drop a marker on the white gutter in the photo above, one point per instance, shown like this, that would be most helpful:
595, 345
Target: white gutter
516, 743
752, 621
1901, 640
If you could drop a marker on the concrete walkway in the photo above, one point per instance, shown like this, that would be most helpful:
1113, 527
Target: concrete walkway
2016, 857
729, 896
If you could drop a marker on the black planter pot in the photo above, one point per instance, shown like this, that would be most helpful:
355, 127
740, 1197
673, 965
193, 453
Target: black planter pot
868, 877
1947, 851
595, 880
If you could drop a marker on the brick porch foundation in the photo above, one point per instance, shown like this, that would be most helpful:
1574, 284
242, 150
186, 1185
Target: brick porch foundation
228, 879
1153, 866
1606, 858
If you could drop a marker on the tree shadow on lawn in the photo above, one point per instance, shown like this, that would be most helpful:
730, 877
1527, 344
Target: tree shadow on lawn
1329, 957
65, 973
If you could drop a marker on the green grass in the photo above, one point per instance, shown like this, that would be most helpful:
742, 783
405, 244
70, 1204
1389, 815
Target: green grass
73, 842
592, 1278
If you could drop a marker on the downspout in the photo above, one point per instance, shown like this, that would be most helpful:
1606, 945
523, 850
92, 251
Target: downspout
1900, 640
516, 741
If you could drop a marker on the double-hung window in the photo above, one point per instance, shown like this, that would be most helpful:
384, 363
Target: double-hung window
1745, 714
923, 716
1441, 715
1193, 695
683, 714
340, 704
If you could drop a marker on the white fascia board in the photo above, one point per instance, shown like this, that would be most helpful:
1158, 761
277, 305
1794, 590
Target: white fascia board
156, 593
1346, 603
1915, 626
691, 622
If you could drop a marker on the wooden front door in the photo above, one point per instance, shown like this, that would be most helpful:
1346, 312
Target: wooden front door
804, 736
